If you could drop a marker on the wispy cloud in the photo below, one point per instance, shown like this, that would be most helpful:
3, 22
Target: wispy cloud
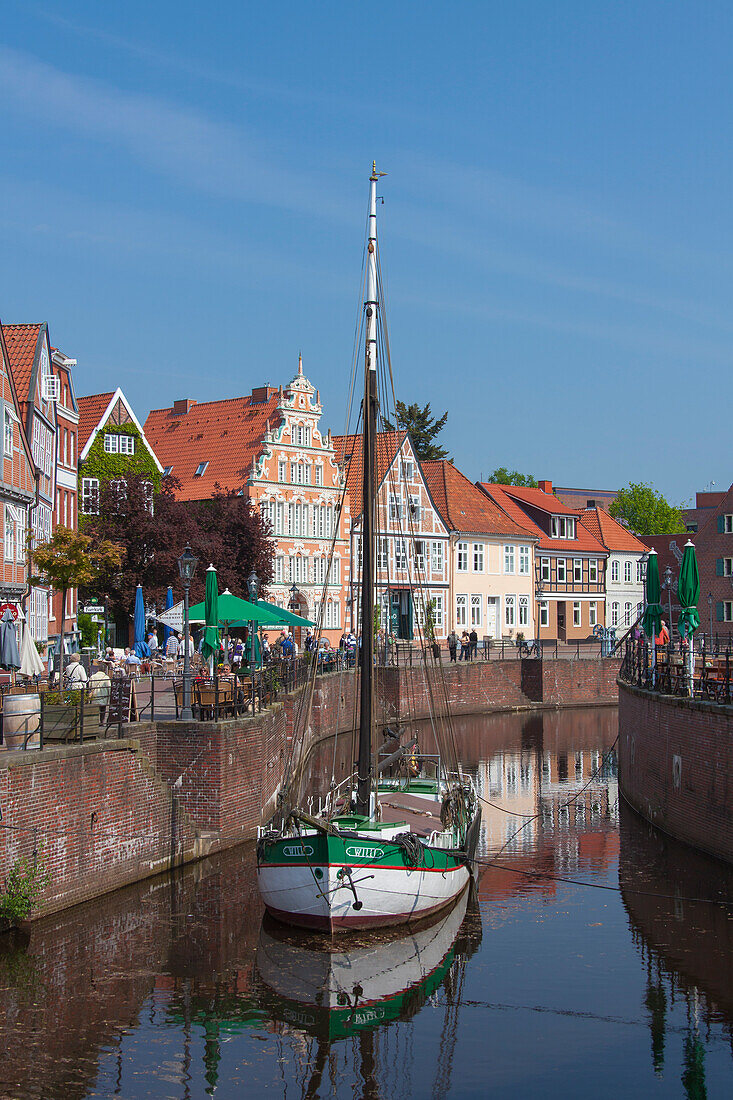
176, 142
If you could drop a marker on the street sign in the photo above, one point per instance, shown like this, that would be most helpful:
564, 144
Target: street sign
173, 617
92, 609
9, 607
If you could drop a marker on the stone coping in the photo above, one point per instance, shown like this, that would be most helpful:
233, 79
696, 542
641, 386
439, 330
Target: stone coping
704, 705
16, 758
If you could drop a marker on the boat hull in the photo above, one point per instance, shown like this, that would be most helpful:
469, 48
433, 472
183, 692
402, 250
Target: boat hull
335, 883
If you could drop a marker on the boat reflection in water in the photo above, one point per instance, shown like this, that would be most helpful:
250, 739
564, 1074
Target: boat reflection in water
686, 944
334, 990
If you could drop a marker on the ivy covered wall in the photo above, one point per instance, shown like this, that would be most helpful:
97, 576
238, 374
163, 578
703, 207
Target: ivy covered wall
106, 467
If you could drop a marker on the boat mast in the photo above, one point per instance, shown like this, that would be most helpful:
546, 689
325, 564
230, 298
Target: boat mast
366, 720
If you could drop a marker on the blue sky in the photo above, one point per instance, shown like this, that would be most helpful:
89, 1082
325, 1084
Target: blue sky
183, 189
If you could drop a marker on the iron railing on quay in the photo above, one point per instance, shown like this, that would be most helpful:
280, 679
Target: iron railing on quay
667, 671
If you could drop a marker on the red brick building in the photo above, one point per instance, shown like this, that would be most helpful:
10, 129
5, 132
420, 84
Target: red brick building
17, 487
270, 446
29, 352
66, 512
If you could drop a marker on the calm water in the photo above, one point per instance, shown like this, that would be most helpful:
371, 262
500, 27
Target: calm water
532, 987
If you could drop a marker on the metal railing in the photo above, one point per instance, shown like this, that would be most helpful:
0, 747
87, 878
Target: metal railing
667, 671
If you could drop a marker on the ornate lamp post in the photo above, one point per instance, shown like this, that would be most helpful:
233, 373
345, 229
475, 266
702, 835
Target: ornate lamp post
253, 588
187, 568
539, 592
294, 597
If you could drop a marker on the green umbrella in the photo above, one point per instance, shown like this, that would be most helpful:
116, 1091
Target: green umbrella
232, 609
285, 618
688, 592
652, 621
211, 615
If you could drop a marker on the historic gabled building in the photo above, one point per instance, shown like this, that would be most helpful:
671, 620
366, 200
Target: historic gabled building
111, 444
412, 566
624, 568
29, 350
570, 563
17, 493
491, 558
270, 447
66, 512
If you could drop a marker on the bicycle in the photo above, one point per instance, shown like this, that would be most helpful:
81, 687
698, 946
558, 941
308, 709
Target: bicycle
529, 649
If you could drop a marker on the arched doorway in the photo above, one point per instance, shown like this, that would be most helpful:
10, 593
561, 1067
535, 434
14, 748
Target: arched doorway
299, 606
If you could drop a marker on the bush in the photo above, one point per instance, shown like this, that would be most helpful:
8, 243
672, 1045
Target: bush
23, 886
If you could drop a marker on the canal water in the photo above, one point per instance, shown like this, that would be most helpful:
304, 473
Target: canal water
594, 958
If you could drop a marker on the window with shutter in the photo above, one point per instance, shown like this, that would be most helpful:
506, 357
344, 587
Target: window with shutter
719, 567
719, 611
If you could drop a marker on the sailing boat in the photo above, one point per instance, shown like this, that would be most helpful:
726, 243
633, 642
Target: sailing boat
382, 851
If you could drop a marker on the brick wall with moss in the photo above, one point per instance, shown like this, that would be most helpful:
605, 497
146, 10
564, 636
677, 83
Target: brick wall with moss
107, 467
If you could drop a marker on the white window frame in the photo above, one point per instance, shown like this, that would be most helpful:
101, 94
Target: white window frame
7, 432
627, 572
524, 560
592, 613
50, 388
461, 609
476, 602
615, 610
461, 557
509, 559
545, 570
510, 611
561, 571
577, 570
436, 557
9, 534
523, 611
282, 471
478, 557
593, 571
544, 613
89, 496
577, 613
615, 573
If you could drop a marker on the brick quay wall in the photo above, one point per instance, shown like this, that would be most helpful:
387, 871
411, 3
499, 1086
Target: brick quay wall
108, 813
676, 766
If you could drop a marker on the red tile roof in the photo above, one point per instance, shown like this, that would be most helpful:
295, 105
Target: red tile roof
349, 455
464, 507
91, 411
226, 434
21, 342
536, 498
608, 531
584, 541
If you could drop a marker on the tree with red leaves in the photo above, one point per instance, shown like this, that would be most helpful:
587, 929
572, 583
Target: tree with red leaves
227, 531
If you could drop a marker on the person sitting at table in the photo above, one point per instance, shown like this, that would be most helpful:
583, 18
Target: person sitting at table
132, 664
663, 635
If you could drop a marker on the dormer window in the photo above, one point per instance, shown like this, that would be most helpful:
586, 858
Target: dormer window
201, 469
562, 527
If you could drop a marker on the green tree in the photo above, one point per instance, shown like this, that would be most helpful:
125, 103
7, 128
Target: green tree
71, 559
646, 511
423, 428
504, 476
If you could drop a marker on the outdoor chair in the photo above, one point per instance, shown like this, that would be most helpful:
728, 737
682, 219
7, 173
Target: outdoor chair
206, 697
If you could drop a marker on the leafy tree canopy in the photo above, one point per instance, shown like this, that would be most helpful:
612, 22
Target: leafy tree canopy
504, 476
646, 511
423, 428
152, 530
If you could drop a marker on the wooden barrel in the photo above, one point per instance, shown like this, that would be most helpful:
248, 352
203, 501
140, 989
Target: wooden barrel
21, 719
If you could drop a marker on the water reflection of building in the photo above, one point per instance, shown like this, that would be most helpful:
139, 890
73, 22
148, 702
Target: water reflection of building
550, 804
686, 944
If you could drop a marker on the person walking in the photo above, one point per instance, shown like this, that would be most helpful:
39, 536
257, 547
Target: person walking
473, 641
452, 645
172, 646
465, 646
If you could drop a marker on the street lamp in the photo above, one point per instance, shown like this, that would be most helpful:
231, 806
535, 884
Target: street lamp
187, 568
540, 591
294, 597
253, 588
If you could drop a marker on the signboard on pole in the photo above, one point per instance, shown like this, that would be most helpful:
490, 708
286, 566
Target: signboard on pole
173, 617
92, 609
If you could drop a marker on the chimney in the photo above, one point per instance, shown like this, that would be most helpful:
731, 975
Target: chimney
182, 406
545, 486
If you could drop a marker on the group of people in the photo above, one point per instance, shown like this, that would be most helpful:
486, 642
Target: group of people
468, 644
